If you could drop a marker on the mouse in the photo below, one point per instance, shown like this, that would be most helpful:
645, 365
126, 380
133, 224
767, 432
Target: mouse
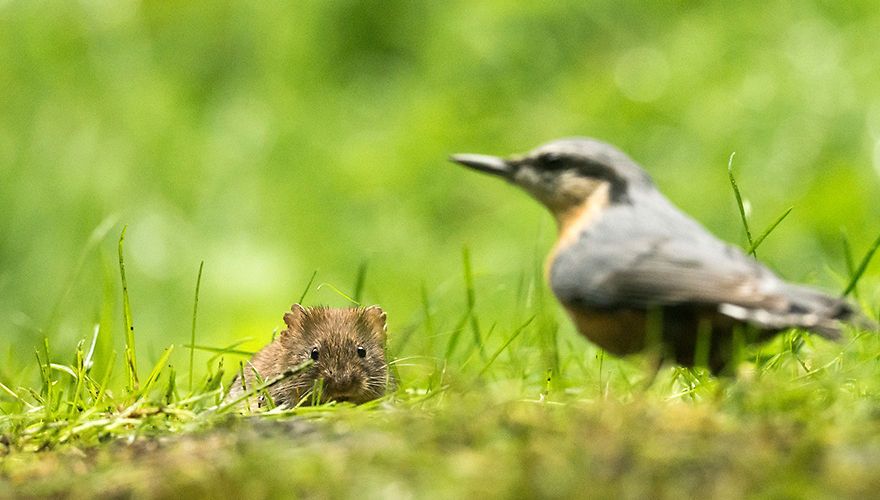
346, 347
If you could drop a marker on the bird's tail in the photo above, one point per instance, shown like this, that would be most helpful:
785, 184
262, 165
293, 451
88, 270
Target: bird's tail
808, 309
825, 314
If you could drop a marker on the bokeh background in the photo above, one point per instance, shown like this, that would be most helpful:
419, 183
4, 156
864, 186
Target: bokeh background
273, 139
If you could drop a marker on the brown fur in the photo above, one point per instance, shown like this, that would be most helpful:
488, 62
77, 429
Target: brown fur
336, 334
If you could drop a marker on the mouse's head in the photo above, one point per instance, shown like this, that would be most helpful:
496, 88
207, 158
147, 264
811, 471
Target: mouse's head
347, 347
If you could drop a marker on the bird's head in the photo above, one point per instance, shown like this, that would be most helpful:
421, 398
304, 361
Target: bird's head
565, 173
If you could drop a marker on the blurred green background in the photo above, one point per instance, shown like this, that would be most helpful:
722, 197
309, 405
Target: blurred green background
272, 139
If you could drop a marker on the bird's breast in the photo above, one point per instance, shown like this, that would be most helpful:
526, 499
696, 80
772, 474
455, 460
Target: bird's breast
573, 221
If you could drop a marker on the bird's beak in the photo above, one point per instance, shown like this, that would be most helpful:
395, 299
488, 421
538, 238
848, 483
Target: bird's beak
485, 163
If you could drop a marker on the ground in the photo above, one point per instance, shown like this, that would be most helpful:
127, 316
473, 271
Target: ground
776, 430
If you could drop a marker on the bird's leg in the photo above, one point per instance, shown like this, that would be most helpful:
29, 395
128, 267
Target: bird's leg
651, 367
653, 345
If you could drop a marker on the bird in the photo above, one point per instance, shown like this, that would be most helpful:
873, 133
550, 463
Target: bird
634, 272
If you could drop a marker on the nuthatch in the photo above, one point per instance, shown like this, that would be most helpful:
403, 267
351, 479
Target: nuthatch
625, 254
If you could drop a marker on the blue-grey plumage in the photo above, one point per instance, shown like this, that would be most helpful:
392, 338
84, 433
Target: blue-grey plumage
624, 250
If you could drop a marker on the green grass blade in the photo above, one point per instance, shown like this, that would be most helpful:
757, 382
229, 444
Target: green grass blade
428, 319
268, 383
403, 337
739, 201
315, 395
258, 379
63, 368
156, 371
105, 380
308, 286
359, 281
471, 297
452, 343
192, 336
507, 343
80, 379
850, 263
338, 292
863, 265
89, 359
48, 380
15, 395
470, 294
130, 356
770, 228
220, 350
243, 381
171, 388
97, 235
214, 379
548, 381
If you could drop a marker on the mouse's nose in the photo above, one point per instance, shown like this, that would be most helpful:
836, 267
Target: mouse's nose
344, 382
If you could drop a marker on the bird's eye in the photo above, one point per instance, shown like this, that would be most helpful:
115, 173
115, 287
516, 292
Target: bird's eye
362, 353
315, 353
552, 161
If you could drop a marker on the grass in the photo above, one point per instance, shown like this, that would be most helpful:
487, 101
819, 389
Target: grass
544, 415
783, 428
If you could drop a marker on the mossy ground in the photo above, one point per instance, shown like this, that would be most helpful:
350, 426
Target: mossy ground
801, 423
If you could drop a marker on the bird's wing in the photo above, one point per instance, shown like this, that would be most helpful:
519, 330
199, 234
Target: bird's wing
639, 258
676, 271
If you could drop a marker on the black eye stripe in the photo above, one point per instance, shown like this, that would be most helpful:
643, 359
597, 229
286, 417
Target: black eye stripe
552, 161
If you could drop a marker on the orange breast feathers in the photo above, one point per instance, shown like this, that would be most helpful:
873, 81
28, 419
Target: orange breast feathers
574, 219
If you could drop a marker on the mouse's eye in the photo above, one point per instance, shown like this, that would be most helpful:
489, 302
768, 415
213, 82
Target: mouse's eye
315, 353
362, 353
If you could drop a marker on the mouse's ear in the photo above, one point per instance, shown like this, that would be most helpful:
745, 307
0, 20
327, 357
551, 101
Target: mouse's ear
376, 318
294, 317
